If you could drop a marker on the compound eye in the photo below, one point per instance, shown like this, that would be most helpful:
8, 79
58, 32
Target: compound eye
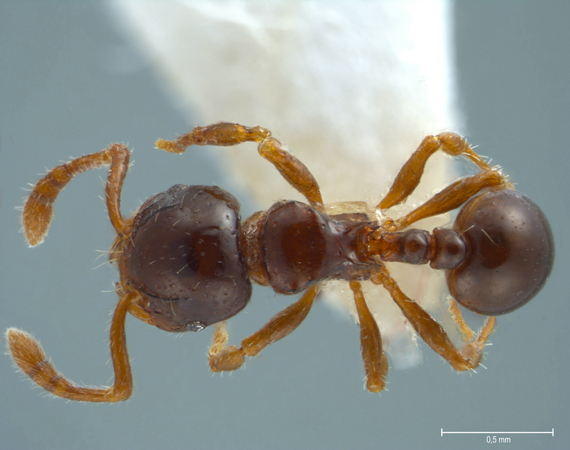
510, 252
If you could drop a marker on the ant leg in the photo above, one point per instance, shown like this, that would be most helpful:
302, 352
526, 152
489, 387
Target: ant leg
293, 170
225, 134
222, 357
219, 134
375, 362
452, 197
38, 209
431, 332
29, 356
458, 318
411, 172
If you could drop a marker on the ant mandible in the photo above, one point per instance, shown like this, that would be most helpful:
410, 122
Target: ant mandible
186, 261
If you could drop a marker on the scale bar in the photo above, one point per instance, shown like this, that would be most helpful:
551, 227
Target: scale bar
497, 432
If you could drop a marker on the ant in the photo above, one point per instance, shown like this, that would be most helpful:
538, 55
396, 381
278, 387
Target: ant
187, 262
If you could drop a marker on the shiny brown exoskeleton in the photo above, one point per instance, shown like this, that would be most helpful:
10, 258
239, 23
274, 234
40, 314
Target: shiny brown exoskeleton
194, 274
186, 261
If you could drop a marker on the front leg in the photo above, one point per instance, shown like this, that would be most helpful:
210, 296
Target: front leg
226, 134
224, 358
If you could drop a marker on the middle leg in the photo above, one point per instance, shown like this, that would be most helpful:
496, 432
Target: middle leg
411, 172
375, 362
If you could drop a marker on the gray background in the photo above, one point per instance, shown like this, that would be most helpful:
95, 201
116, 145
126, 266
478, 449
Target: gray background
60, 97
